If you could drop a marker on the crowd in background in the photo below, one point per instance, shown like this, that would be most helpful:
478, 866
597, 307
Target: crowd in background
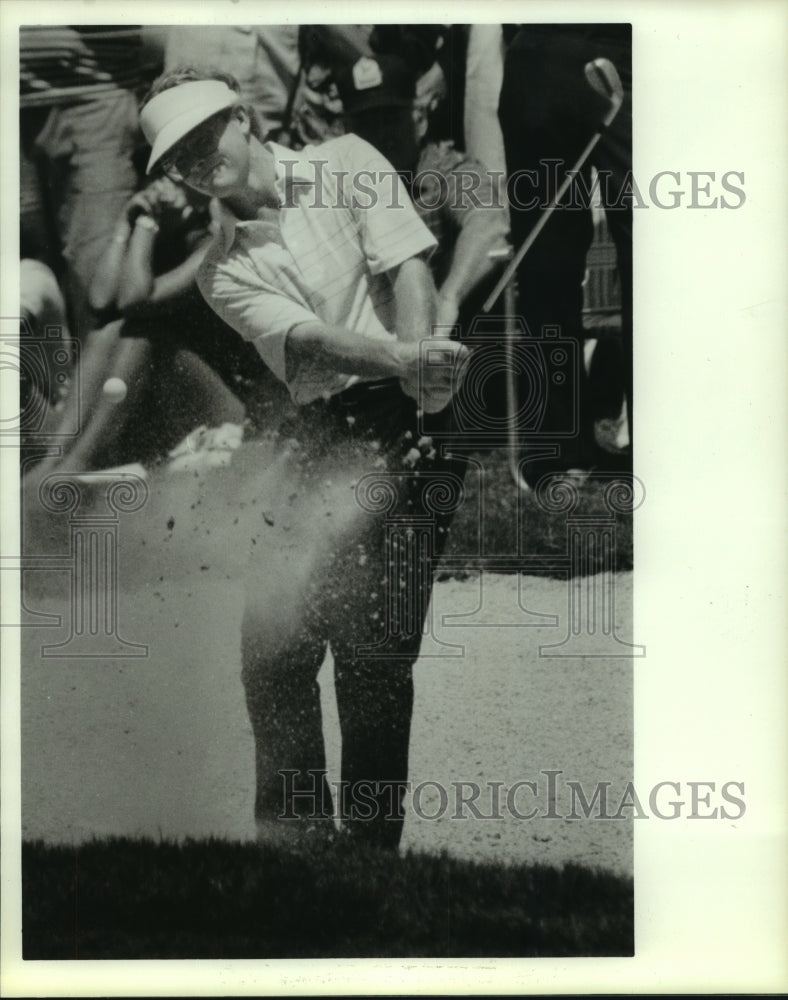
111, 255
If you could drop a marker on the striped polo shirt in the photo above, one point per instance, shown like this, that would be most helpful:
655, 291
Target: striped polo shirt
344, 221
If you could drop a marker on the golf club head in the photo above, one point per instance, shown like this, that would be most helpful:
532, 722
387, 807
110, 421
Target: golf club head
603, 78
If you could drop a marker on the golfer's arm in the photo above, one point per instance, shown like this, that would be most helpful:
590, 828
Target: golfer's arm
106, 280
137, 274
313, 346
165, 289
180, 279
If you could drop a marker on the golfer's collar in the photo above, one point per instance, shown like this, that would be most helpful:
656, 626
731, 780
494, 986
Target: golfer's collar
289, 167
228, 220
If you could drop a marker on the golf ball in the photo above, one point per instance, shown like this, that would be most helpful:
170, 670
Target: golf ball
115, 390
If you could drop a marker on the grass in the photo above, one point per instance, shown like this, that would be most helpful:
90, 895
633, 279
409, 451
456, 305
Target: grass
141, 899
519, 524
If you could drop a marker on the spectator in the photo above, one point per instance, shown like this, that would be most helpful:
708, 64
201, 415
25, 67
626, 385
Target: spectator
285, 71
436, 53
264, 59
432, 52
317, 113
548, 113
336, 297
79, 90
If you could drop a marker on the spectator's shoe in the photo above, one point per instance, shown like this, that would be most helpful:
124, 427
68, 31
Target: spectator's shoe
612, 447
611, 434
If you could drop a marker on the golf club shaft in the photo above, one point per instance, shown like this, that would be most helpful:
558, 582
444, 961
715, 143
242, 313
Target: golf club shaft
512, 394
543, 220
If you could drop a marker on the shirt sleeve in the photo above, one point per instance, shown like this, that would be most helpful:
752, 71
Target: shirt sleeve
389, 228
254, 309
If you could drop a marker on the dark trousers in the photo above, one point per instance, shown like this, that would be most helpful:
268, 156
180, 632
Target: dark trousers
548, 112
368, 600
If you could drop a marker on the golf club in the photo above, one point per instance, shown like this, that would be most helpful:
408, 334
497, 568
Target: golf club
603, 78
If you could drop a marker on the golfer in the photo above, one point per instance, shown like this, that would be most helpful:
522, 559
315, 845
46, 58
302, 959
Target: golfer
320, 263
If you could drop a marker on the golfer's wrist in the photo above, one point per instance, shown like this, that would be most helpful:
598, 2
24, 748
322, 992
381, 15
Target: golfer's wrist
406, 355
122, 233
146, 223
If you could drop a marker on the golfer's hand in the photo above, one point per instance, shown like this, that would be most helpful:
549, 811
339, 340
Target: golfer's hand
141, 204
434, 372
171, 202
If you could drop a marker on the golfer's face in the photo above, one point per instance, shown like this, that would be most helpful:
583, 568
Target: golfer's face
212, 158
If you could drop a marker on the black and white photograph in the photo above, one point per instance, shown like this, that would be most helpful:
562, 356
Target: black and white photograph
364, 489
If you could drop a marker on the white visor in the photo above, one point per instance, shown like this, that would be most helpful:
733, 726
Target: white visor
173, 113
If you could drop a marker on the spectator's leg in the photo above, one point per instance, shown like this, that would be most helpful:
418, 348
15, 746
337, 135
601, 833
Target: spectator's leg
41, 299
614, 156
101, 421
94, 145
239, 366
44, 382
195, 392
43, 308
543, 135
38, 237
620, 225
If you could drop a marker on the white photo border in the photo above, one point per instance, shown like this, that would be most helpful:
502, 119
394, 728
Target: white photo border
710, 94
